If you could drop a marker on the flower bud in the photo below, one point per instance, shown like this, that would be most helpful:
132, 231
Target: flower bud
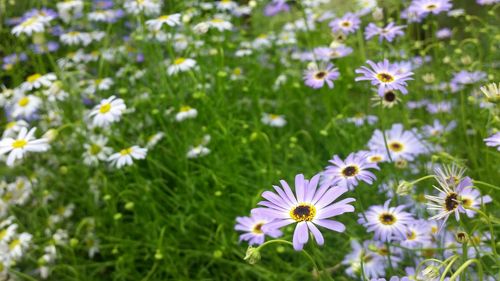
404, 188
378, 14
461, 237
252, 255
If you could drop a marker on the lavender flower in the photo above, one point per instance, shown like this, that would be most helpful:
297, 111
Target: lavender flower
275, 7
308, 207
385, 75
401, 144
388, 223
424, 7
493, 140
316, 77
388, 33
348, 173
253, 226
349, 23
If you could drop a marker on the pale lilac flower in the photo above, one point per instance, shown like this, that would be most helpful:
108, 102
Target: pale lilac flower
418, 235
387, 223
349, 172
487, 2
437, 129
316, 76
388, 33
254, 233
424, 7
308, 207
401, 144
443, 33
327, 53
275, 7
373, 264
385, 75
468, 77
493, 140
349, 23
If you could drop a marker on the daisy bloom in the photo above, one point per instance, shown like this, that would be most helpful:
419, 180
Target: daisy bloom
26, 106
308, 207
385, 75
388, 223
349, 23
96, 150
401, 144
317, 76
37, 80
107, 111
23, 143
170, 20
220, 24
349, 172
19, 245
126, 156
149, 7
180, 65
273, 120
424, 7
470, 197
252, 226
373, 264
76, 38
13, 127
493, 140
492, 92
186, 112
388, 33
33, 24
197, 151
417, 235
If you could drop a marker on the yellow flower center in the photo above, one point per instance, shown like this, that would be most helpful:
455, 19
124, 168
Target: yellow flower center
375, 158
185, 108
33, 78
105, 108
385, 77
217, 20
257, 229
179, 61
10, 125
19, 143
14, 244
466, 202
303, 212
95, 149
164, 17
396, 146
350, 171
29, 22
2, 234
23, 101
126, 151
412, 235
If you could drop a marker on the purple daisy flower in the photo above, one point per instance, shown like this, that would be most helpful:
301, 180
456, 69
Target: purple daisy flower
349, 23
308, 207
487, 2
327, 53
388, 33
348, 173
400, 143
255, 234
385, 75
388, 223
275, 7
493, 141
418, 235
316, 77
424, 7
438, 129
443, 33
373, 264
466, 77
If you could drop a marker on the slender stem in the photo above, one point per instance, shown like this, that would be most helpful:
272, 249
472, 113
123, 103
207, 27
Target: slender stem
448, 266
486, 184
464, 266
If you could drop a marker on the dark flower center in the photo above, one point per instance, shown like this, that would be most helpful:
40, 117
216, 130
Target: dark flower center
257, 228
320, 74
387, 219
431, 7
346, 24
389, 96
350, 171
385, 77
451, 202
303, 212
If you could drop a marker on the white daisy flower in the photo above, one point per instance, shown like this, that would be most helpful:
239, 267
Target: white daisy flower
226, 5
56, 92
76, 38
25, 142
180, 65
186, 112
273, 120
19, 245
34, 24
149, 7
96, 150
125, 156
69, 8
197, 151
220, 24
25, 106
38, 80
170, 20
107, 111
12, 128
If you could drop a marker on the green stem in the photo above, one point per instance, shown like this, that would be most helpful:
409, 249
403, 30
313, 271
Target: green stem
464, 266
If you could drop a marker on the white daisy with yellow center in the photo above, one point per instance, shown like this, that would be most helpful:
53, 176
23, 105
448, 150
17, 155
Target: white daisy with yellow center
126, 156
107, 111
23, 143
180, 64
170, 20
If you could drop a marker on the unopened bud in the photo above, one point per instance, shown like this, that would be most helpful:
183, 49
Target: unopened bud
431, 272
404, 188
461, 237
378, 14
252, 255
